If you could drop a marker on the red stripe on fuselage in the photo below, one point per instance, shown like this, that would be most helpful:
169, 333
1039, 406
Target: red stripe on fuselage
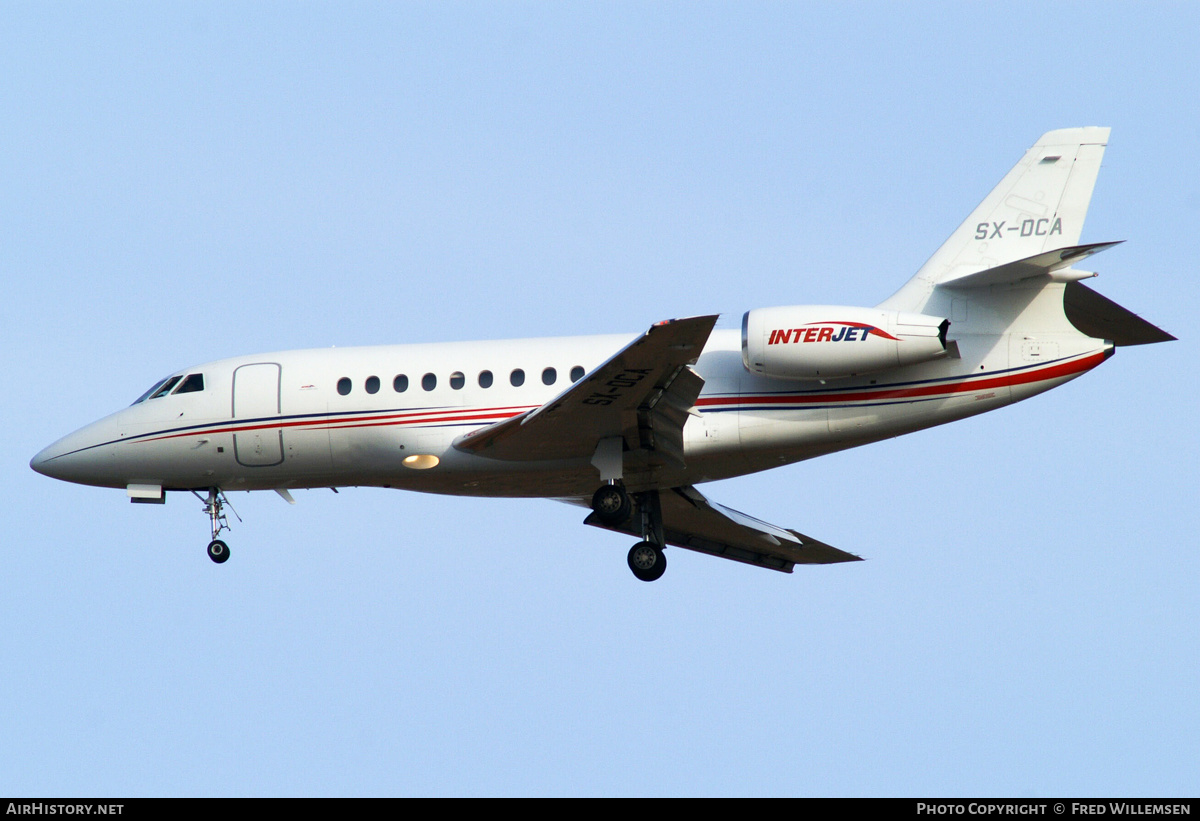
967, 385
412, 418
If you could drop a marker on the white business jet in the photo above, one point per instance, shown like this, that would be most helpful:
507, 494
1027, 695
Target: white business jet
630, 427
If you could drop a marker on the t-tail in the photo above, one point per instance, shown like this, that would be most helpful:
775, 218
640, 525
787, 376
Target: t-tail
1009, 268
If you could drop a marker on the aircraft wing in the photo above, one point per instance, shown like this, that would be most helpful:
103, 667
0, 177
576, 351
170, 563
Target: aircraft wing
642, 395
692, 521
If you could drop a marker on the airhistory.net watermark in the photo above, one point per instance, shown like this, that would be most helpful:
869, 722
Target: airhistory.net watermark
44, 808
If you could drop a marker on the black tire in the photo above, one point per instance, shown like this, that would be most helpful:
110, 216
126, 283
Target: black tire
611, 504
647, 561
218, 551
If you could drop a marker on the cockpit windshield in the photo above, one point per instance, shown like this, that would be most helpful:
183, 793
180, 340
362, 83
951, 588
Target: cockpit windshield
146, 395
192, 383
166, 387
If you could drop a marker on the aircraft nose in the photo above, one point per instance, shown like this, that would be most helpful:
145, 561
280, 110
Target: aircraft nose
41, 462
58, 462
77, 458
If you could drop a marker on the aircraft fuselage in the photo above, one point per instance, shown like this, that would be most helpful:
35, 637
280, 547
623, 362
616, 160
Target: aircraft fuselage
335, 417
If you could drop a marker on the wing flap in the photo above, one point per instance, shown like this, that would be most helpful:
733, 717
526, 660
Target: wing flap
642, 393
692, 521
662, 415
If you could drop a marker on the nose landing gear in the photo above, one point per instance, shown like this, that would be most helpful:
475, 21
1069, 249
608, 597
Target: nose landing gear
214, 508
218, 551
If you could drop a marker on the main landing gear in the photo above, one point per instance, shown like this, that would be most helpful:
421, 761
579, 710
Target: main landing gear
647, 561
214, 506
613, 506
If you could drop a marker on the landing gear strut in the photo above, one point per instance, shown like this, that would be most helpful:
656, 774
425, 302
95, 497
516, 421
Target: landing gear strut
613, 507
214, 506
646, 558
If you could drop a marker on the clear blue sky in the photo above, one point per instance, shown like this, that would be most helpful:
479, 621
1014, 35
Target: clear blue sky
183, 182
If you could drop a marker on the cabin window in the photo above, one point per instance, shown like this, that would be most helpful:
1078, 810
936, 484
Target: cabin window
400, 383
577, 373
457, 380
194, 383
485, 379
344, 385
428, 381
517, 378
372, 384
549, 376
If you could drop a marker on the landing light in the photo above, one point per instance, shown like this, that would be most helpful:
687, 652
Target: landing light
421, 461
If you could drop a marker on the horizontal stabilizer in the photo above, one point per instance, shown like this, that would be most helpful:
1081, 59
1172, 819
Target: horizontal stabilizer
1039, 265
1101, 318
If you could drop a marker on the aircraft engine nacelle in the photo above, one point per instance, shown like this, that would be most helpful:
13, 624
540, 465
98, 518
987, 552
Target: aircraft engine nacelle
830, 341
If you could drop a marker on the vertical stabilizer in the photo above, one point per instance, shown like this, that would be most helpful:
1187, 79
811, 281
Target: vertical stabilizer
1039, 206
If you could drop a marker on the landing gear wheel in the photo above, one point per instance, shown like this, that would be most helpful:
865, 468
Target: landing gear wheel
611, 504
647, 561
218, 551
